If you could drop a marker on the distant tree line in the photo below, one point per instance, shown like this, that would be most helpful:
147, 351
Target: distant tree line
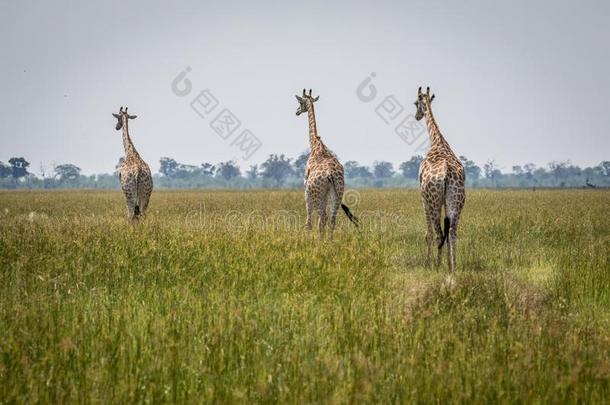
281, 171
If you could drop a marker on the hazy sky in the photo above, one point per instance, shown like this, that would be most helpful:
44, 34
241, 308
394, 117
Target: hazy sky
515, 81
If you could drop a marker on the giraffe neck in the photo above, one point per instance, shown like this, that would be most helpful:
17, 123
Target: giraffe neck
315, 143
127, 144
436, 138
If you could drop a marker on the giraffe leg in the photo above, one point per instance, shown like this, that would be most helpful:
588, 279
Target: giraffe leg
322, 212
454, 203
144, 205
433, 220
429, 240
131, 210
309, 206
452, 242
334, 209
439, 238
335, 203
321, 217
144, 192
454, 217
128, 185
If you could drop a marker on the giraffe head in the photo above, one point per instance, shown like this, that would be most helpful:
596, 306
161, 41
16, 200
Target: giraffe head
423, 102
305, 101
122, 117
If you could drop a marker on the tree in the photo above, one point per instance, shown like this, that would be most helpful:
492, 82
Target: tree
489, 168
42, 170
252, 172
603, 168
19, 167
528, 169
539, 175
383, 170
207, 169
517, 170
67, 171
168, 166
185, 171
491, 171
228, 170
353, 170
410, 168
277, 168
559, 169
5, 170
300, 163
471, 170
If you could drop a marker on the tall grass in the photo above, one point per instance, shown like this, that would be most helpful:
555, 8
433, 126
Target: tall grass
223, 297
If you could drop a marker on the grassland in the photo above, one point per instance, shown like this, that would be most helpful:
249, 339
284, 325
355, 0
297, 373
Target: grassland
223, 297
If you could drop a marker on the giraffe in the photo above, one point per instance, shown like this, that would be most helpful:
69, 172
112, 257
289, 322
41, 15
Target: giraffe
442, 183
134, 173
323, 174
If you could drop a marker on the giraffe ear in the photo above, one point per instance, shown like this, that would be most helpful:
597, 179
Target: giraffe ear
116, 115
316, 99
132, 117
299, 99
432, 98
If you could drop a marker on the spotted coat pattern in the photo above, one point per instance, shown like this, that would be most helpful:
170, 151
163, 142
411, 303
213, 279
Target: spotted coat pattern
324, 178
442, 184
134, 173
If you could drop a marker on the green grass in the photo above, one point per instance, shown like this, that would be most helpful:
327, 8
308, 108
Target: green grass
223, 297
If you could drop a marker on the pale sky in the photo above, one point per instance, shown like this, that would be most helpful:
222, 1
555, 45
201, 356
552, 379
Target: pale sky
515, 81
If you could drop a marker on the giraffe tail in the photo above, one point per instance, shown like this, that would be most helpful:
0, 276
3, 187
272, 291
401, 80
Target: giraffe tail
350, 216
353, 219
447, 221
445, 232
136, 209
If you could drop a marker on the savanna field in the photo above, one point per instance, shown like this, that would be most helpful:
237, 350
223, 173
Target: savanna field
222, 296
